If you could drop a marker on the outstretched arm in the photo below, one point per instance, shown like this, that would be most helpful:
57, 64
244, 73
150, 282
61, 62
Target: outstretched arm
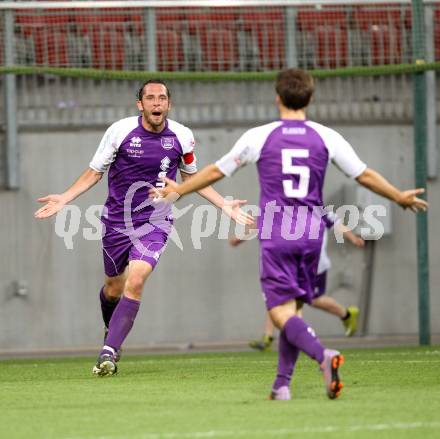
198, 182
231, 208
55, 202
406, 199
354, 239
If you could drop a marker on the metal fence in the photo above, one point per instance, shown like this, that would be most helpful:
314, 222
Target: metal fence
219, 39
190, 37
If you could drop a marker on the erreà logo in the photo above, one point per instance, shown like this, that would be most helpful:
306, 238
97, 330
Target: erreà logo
135, 142
167, 142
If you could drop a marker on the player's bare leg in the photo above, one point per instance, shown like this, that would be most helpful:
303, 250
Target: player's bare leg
298, 336
328, 304
123, 317
347, 315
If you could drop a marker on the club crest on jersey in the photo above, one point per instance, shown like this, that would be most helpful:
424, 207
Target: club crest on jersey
165, 163
135, 142
167, 142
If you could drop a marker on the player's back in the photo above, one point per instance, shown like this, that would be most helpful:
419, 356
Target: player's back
291, 171
292, 158
292, 165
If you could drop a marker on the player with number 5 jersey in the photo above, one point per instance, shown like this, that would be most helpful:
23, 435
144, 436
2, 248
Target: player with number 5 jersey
292, 155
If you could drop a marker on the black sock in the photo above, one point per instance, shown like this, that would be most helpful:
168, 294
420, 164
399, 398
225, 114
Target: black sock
346, 315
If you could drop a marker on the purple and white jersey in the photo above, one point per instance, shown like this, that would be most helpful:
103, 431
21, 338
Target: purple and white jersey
134, 157
292, 158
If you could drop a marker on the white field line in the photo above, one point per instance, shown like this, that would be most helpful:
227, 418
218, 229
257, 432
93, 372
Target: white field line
280, 432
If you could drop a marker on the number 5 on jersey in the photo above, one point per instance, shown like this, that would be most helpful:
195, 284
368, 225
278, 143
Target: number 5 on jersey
303, 173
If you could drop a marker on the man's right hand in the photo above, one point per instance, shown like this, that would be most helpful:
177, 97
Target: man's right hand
409, 199
54, 203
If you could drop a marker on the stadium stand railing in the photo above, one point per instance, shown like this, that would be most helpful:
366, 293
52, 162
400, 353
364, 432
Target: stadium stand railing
217, 39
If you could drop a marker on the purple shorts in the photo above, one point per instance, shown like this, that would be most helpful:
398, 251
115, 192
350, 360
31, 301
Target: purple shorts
320, 285
287, 273
118, 249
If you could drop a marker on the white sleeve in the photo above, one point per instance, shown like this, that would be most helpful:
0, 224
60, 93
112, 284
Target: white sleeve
241, 154
106, 152
346, 159
246, 150
110, 143
340, 151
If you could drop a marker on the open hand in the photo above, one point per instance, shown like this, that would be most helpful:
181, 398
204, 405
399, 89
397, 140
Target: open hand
356, 240
168, 193
232, 209
54, 203
409, 199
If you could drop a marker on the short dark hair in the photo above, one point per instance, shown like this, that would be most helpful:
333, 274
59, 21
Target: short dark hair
140, 92
295, 88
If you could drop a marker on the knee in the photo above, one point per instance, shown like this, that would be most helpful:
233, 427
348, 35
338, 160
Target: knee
281, 314
113, 289
134, 286
277, 318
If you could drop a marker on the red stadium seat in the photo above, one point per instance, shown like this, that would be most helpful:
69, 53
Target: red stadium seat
381, 30
326, 32
437, 34
215, 34
169, 50
48, 34
267, 31
221, 52
169, 41
104, 35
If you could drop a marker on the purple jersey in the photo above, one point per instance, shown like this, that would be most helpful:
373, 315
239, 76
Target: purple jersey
136, 159
292, 158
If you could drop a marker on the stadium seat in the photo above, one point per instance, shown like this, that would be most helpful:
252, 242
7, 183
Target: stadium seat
43, 37
221, 49
264, 35
169, 39
323, 38
215, 35
169, 50
101, 39
437, 34
380, 32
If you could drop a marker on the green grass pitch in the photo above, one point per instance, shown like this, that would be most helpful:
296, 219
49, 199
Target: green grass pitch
389, 393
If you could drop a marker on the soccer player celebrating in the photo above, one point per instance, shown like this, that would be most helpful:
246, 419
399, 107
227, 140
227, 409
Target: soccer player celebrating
292, 155
137, 151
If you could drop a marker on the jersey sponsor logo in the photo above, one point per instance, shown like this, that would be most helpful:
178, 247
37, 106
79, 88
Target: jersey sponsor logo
134, 152
167, 142
294, 130
135, 142
165, 163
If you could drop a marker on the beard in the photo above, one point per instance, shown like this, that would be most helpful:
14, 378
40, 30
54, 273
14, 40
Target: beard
156, 121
